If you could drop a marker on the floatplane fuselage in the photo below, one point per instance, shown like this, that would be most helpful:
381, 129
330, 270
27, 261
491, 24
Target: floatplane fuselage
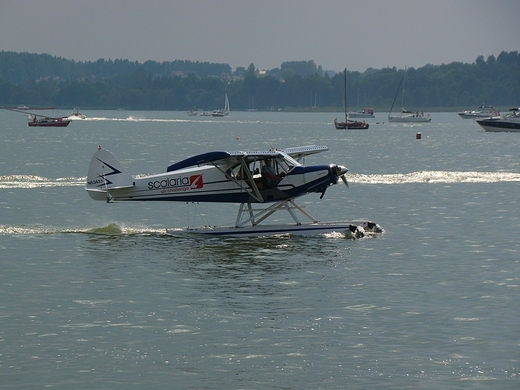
274, 178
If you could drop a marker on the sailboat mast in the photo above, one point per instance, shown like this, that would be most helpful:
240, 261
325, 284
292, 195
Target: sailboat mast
345, 95
395, 97
404, 82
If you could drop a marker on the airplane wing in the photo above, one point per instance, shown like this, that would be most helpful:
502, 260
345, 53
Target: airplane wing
221, 158
232, 158
302, 151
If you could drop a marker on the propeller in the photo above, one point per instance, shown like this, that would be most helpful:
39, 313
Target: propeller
340, 171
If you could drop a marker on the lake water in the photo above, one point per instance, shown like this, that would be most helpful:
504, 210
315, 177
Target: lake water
97, 296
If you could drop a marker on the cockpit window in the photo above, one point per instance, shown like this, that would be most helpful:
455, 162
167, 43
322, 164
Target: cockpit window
286, 162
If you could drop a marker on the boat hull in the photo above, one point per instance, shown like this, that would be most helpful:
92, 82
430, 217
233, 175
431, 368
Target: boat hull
351, 125
408, 119
499, 125
465, 115
352, 229
61, 123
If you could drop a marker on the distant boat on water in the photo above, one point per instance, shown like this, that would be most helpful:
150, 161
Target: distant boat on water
45, 121
365, 113
407, 116
38, 120
348, 124
223, 112
77, 115
481, 112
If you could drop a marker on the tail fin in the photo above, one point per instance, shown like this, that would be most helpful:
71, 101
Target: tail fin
106, 173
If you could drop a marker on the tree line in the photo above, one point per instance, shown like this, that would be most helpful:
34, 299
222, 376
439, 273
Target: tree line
41, 79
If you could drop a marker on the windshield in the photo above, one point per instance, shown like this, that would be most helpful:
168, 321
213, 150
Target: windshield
286, 162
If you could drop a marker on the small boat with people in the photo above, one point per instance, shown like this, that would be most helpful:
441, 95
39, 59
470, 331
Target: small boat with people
46, 121
509, 122
407, 116
39, 120
481, 112
350, 125
410, 117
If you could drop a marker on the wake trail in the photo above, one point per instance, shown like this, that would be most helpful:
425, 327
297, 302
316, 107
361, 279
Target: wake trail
426, 177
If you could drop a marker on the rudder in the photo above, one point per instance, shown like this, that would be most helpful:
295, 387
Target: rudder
106, 173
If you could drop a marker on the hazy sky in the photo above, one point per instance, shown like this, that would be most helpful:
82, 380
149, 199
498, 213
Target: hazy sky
357, 34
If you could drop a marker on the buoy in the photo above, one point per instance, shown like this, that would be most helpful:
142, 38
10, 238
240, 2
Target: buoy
418, 135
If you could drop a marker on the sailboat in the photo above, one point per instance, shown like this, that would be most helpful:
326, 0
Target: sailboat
39, 120
225, 111
348, 124
406, 116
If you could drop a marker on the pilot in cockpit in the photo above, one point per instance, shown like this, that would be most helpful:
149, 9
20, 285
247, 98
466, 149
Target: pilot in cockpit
269, 174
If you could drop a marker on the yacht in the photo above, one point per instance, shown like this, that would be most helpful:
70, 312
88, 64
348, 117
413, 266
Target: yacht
508, 122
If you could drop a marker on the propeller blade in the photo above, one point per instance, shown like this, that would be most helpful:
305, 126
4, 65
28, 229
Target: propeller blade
344, 178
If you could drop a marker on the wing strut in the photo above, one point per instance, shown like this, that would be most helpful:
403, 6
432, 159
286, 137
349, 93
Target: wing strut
255, 193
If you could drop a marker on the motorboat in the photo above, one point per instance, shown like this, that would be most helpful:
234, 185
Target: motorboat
509, 122
365, 113
218, 112
481, 112
77, 115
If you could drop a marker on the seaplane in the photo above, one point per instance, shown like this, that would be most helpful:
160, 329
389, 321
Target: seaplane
261, 182
39, 120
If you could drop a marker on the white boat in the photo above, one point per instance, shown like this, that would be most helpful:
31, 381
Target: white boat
407, 116
509, 122
480, 112
77, 115
225, 111
365, 113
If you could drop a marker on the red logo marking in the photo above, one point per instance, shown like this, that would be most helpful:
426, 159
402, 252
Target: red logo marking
196, 182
